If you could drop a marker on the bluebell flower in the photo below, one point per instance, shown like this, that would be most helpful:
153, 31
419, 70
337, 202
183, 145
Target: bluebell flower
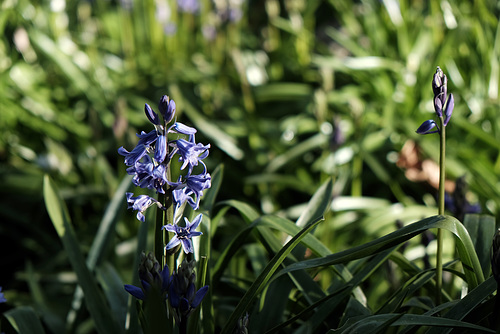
183, 235
149, 161
140, 203
190, 153
442, 103
182, 128
152, 278
148, 175
2, 297
191, 189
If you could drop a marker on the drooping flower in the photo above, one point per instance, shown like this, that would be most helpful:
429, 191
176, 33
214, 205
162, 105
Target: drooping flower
191, 188
183, 235
190, 153
140, 203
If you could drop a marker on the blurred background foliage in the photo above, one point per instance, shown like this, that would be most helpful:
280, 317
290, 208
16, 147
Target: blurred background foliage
288, 93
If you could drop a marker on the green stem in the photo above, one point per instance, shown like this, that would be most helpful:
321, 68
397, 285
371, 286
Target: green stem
158, 233
439, 253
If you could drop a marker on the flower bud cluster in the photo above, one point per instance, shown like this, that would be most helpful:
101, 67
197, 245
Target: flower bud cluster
443, 104
179, 289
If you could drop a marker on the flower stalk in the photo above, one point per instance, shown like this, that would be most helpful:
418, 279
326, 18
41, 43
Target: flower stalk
443, 107
150, 164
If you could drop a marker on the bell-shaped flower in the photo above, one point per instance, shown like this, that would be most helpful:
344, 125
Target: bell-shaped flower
193, 185
140, 203
183, 129
190, 153
161, 149
183, 235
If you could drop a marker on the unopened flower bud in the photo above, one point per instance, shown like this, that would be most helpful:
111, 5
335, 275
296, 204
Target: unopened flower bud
167, 108
151, 115
426, 127
448, 110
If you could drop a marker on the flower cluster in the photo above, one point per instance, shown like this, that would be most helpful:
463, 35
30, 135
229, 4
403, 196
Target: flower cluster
179, 288
149, 163
443, 104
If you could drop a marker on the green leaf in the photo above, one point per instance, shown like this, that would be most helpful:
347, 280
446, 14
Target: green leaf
102, 238
467, 304
261, 281
481, 229
24, 320
94, 299
467, 253
374, 323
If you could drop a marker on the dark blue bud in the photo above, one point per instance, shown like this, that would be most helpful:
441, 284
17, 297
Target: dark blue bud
151, 115
448, 110
167, 108
426, 127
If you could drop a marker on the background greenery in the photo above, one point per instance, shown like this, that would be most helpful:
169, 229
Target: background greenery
289, 94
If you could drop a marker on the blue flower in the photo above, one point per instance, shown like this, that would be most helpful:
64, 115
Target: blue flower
182, 128
190, 153
183, 235
193, 185
149, 161
2, 297
140, 203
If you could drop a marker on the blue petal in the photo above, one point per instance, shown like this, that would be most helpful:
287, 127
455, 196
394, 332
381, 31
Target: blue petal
187, 246
194, 224
173, 297
173, 242
135, 291
199, 296
184, 129
161, 149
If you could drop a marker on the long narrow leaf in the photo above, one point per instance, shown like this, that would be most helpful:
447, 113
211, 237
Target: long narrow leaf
261, 281
468, 256
94, 299
24, 320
